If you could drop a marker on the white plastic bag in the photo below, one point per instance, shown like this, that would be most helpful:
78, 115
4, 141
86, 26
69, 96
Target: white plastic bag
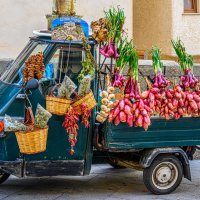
67, 88
42, 117
11, 125
85, 85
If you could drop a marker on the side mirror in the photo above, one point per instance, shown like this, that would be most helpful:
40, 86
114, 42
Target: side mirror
32, 84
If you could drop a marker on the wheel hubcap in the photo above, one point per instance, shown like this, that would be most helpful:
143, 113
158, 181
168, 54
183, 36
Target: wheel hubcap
165, 175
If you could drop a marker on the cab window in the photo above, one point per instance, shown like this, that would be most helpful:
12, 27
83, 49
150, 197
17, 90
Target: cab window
64, 61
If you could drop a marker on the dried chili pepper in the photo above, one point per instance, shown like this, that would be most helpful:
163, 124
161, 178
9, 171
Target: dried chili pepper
86, 115
1, 126
71, 126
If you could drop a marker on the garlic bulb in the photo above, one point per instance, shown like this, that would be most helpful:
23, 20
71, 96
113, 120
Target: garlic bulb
105, 101
111, 97
104, 114
104, 108
104, 94
111, 90
100, 119
110, 105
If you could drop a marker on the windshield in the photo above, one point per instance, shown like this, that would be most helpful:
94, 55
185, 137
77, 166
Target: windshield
13, 74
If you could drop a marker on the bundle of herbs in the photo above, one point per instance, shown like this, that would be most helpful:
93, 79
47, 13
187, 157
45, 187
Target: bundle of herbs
89, 62
189, 81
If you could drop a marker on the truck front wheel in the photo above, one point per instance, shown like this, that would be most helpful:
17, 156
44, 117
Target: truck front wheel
3, 177
164, 175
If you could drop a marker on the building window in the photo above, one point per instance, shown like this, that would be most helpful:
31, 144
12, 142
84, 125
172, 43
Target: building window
190, 6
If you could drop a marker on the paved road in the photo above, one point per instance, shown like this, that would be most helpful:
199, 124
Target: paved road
104, 183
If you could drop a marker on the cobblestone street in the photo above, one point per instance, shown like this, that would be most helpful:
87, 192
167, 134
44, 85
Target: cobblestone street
104, 183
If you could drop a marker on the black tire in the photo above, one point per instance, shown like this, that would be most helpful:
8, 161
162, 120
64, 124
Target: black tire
172, 171
3, 177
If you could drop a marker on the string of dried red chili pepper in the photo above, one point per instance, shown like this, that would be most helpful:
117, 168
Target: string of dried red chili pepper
86, 115
71, 126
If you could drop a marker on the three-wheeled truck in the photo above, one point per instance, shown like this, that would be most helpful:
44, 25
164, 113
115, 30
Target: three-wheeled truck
161, 152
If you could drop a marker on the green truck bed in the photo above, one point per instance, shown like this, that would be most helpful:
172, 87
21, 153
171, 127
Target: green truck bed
162, 133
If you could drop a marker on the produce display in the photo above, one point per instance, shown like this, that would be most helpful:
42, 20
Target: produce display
162, 98
34, 67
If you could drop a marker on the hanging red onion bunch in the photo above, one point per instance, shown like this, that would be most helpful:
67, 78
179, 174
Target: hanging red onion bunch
109, 50
189, 81
115, 19
159, 80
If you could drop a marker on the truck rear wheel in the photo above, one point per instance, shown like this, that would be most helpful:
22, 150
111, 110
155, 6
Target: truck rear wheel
164, 175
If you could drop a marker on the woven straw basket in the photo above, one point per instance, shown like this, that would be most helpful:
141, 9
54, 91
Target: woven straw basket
32, 142
89, 100
57, 105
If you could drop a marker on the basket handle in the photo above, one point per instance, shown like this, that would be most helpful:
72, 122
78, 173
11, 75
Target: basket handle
54, 88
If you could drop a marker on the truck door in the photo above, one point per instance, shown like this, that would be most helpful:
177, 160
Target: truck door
60, 62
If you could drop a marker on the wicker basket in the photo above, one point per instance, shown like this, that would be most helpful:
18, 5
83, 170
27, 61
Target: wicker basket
88, 99
32, 142
57, 105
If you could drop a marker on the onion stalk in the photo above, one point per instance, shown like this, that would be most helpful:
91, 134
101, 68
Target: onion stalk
125, 47
132, 86
159, 80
